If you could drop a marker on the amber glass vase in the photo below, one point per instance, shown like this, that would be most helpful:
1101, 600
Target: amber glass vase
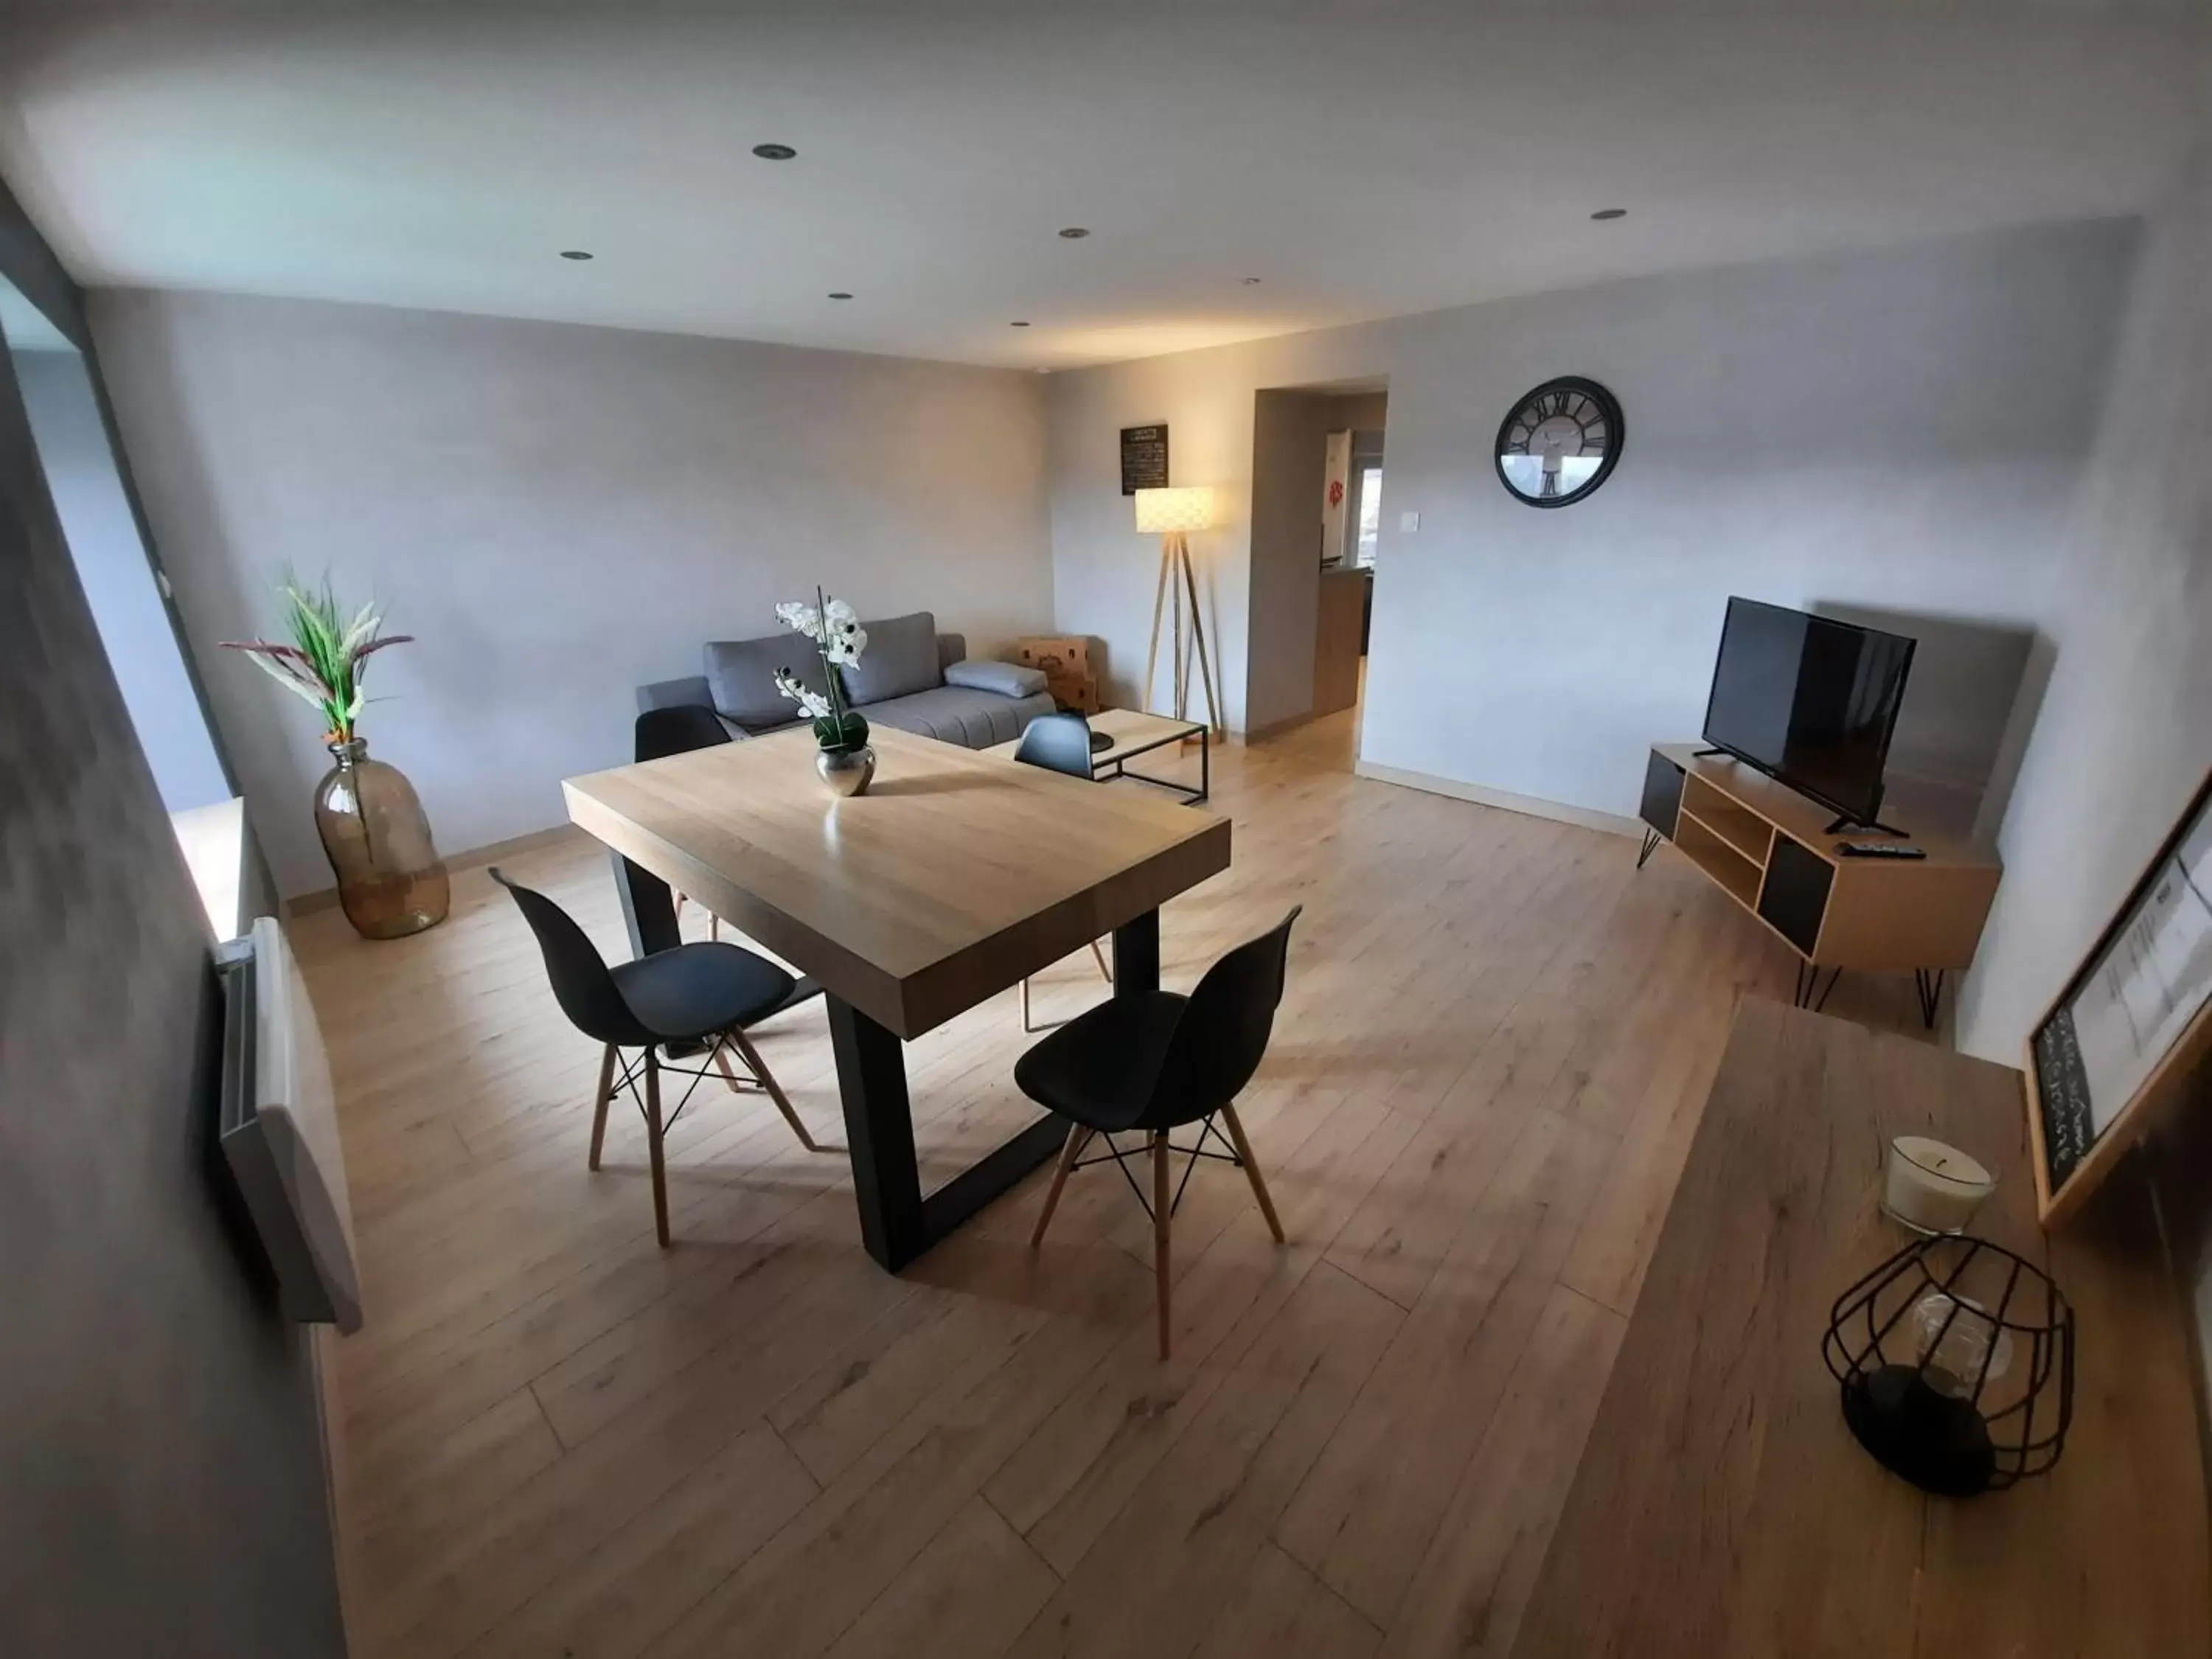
390, 880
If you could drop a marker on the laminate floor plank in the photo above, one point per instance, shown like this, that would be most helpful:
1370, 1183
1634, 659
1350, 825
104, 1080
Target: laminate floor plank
1379, 1493
1480, 1568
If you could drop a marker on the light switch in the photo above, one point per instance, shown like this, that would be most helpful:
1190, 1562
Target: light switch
1408, 522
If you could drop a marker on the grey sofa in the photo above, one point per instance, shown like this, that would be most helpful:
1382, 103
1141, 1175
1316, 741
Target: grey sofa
911, 678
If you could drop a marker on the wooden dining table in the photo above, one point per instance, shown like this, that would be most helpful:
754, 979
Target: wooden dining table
954, 877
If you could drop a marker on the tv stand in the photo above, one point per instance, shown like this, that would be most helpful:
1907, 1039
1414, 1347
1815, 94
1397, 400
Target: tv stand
1702, 753
1773, 851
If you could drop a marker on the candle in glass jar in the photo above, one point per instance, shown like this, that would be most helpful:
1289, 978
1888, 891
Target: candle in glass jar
1932, 1188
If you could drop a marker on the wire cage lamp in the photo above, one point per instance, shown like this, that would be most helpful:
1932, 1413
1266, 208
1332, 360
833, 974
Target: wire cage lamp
1956, 1362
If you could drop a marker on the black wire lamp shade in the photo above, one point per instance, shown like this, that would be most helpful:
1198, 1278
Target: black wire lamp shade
1956, 1360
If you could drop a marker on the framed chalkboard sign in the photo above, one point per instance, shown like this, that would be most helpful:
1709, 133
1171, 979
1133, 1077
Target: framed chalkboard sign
1143, 458
2132, 1025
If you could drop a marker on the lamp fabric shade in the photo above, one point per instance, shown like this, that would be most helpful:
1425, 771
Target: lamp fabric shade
1167, 512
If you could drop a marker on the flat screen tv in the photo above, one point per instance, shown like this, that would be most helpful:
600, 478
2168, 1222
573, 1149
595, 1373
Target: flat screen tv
1809, 701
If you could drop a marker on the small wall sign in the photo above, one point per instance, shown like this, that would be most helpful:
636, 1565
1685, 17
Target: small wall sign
1143, 458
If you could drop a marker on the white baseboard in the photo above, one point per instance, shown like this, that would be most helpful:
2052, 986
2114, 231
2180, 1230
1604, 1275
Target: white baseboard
1534, 807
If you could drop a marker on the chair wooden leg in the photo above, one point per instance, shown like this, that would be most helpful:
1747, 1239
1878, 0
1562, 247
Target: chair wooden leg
652, 1145
758, 1066
1099, 956
729, 1071
1160, 1220
599, 1103
1252, 1170
1078, 1138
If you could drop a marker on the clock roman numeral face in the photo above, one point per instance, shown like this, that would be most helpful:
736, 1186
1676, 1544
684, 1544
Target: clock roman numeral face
1559, 442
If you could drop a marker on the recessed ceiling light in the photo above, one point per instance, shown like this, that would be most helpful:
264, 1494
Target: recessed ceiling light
1075, 233
840, 297
1251, 282
774, 152
574, 253
1016, 324
1610, 213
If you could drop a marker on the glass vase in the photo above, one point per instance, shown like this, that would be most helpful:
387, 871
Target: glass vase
846, 771
390, 880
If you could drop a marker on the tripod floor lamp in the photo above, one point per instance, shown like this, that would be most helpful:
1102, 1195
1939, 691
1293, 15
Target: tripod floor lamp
1171, 514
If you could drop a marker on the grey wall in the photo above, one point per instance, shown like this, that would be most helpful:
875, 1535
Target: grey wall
1901, 427
161, 1471
2125, 734
556, 512
142, 647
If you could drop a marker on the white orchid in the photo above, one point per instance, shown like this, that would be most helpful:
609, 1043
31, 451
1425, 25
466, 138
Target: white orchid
839, 639
811, 703
800, 619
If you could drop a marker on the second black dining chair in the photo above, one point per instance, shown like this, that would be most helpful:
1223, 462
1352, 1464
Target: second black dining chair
1151, 1063
677, 730
1059, 743
700, 994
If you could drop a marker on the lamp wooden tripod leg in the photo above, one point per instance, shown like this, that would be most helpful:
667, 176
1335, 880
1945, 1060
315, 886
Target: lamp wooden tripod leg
1176, 582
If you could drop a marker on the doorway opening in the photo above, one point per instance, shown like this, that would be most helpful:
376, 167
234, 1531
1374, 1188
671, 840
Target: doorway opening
1318, 466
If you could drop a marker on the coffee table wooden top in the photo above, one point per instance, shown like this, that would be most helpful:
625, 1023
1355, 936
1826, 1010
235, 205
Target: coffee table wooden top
956, 874
1134, 734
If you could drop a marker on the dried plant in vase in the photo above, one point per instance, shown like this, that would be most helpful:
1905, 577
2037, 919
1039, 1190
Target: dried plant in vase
390, 882
842, 756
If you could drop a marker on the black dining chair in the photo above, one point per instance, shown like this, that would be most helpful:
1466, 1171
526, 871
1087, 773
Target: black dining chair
1151, 1063
677, 730
1059, 743
703, 995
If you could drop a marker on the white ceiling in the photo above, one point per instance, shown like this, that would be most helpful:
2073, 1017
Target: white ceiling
1364, 158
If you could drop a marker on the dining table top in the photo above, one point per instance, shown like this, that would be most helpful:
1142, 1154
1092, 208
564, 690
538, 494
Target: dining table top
957, 874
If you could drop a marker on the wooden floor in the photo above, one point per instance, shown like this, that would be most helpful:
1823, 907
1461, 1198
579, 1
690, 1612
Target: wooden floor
556, 1439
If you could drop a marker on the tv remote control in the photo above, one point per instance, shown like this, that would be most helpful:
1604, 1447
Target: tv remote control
1878, 849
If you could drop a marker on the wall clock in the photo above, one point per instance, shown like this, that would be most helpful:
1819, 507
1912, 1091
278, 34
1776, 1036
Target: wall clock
1560, 443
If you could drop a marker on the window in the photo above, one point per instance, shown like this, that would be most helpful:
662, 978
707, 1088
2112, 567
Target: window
1371, 516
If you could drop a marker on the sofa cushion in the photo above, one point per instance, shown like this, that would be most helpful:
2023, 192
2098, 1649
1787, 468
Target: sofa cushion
1008, 679
741, 674
901, 659
953, 713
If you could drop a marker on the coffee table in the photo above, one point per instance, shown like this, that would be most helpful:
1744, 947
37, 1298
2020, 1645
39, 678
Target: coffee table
1135, 733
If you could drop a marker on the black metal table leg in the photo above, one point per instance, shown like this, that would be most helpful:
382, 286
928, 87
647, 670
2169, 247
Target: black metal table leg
878, 1134
897, 1221
1205, 763
1137, 956
1651, 840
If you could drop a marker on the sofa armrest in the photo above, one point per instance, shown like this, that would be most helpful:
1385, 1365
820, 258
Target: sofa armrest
674, 694
950, 648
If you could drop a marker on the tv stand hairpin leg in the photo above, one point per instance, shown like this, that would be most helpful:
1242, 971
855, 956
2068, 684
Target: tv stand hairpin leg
1808, 982
1651, 840
1930, 987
